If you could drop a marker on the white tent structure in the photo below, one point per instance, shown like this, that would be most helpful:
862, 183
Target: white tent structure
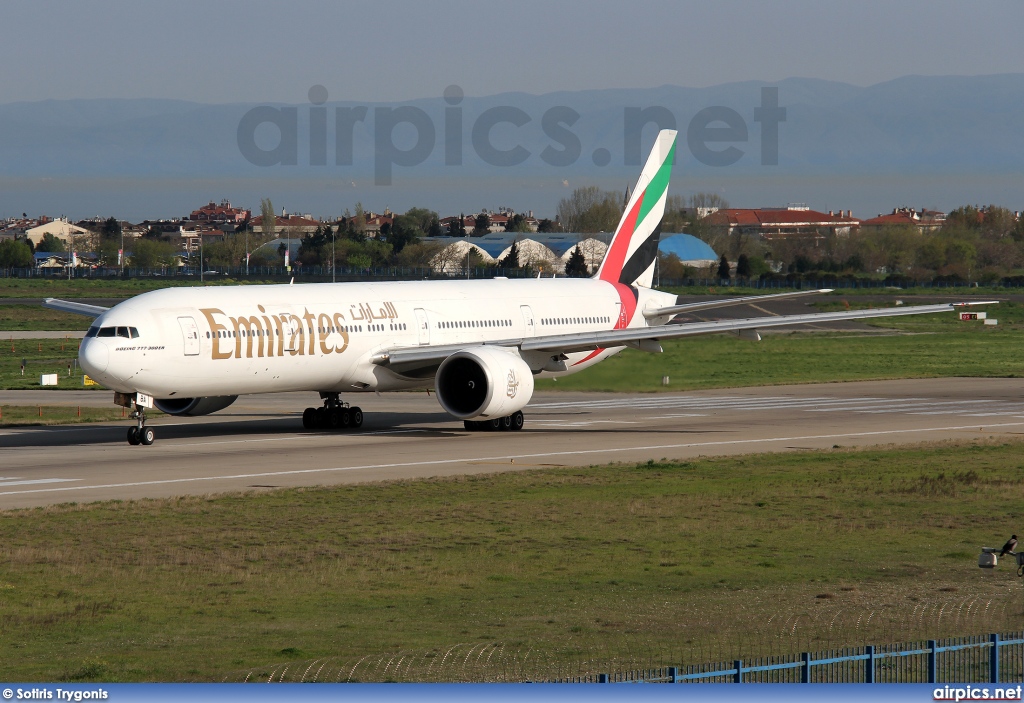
593, 253
532, 253
452, 258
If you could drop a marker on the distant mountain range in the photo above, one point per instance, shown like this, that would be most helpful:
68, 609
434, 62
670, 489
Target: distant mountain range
943, 140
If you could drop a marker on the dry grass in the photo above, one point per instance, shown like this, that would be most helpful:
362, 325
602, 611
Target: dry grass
544, 573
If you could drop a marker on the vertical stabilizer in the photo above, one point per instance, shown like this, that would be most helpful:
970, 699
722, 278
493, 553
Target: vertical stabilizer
634, 248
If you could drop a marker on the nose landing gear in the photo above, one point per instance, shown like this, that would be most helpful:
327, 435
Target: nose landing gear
140, 434
333, 415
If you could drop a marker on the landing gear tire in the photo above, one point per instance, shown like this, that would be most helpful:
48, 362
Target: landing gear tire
320, 418
147, 436
309, 418
513, 423
334, 419
356, 416
133, 436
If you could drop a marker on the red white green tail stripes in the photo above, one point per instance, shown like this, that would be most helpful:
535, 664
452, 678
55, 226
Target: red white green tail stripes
634, 248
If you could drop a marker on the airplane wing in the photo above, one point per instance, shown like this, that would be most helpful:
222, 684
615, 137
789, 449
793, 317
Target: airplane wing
647, 338
727, 302
75, 308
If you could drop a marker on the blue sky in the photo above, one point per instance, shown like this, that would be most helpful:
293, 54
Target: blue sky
232, 51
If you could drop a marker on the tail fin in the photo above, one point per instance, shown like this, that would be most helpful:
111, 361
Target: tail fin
634, 248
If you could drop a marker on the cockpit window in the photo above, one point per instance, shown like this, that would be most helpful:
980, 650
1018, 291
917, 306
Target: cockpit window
126, 332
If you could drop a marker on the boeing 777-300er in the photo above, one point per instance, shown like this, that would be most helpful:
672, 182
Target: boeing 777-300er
478, 343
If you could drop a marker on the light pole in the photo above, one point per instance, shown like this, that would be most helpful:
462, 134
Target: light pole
201, 266
334, 278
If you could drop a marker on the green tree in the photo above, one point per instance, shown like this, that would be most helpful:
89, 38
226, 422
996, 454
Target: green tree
51, 243
268, 220
426, 221
723, 268
590, 209
743, 266
15, 254
511, 259
404, 230
111, 228
546, 225
482, 224
457, 227
517, 223
576, 266
150, 253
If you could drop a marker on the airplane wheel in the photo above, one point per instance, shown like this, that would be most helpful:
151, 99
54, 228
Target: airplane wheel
319, 418
469, 425
505, 423
147, 436
334, 419
516, 420
309, 418
346, 419
493, 425
356, 415
133, 436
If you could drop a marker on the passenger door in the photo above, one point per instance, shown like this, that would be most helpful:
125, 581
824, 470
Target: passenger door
531, 328
190, 333
422, 326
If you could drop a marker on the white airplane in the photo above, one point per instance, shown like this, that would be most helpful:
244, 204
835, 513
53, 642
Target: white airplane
478, 343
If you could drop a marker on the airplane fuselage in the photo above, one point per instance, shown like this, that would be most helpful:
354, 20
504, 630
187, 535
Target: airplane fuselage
233, 340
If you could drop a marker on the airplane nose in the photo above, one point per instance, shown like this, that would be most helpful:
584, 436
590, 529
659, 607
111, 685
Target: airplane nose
93, 356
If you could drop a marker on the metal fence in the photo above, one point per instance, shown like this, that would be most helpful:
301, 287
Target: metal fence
993, 658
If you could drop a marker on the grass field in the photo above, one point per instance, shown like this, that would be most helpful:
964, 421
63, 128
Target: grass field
60, 414
932, 346
41, 356
19, 317
101, 288
587, 569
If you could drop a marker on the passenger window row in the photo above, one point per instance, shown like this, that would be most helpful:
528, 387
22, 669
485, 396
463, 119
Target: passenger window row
575, 320
126, 332
231, 334
463, 324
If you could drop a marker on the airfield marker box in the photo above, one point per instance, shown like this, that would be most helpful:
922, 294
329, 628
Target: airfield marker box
48, 379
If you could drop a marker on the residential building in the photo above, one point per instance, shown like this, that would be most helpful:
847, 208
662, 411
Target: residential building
795, 220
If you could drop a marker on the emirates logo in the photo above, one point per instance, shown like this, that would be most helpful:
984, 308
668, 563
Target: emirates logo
513, 385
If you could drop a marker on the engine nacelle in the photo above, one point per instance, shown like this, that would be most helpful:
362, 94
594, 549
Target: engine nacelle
194, 406
483, 382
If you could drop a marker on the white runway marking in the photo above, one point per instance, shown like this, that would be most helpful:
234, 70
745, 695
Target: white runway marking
17, 481
506, 457
818, 404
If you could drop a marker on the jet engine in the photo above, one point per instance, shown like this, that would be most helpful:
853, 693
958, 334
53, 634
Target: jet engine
194, 406
483, 382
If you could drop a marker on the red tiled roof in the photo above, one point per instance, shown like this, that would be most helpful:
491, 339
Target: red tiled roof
757, 217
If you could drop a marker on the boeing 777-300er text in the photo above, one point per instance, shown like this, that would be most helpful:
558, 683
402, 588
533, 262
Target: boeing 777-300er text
478, 343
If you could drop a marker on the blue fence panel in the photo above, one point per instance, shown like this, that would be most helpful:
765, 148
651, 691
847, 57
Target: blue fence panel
973, 659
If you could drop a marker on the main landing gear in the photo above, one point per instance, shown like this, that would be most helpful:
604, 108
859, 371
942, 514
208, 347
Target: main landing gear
334, 415
140, 434
513, 422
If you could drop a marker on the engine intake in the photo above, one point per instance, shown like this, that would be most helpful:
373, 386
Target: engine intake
191, 407
485, 382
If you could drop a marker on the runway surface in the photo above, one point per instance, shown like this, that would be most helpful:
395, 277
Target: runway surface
258, 443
